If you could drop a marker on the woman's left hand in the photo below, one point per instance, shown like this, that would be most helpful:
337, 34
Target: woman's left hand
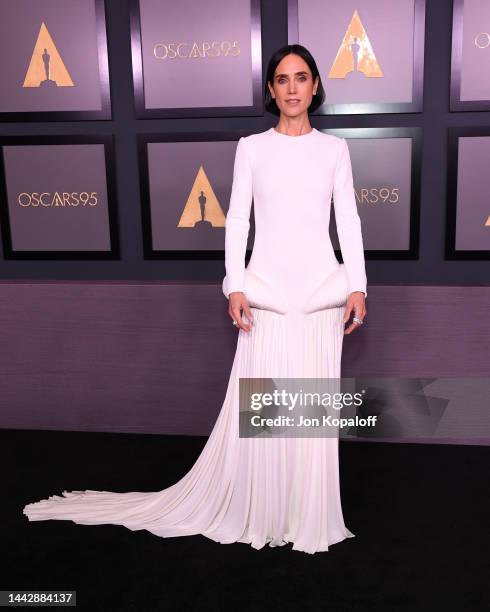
356, 305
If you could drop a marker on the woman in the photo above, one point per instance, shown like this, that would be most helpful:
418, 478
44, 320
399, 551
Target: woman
281, 489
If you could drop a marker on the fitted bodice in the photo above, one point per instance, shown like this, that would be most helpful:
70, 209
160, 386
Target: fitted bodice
291, 180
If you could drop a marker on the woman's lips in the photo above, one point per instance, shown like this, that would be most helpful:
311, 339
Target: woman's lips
292, 102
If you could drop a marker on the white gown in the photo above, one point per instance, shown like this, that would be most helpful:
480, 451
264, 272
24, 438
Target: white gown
263, 490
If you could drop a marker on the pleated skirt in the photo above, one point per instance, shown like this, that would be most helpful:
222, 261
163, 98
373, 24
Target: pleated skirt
256, 491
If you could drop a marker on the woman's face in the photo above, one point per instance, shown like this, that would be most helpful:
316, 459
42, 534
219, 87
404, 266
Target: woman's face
293, 85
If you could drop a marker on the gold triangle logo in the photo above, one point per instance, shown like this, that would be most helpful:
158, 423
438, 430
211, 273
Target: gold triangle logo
202, 204
487, 224
355, 53
46, 65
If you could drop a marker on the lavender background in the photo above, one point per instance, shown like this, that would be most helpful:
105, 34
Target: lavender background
72, 168
383, 163
475, 75
473, 203
72, 26
224, 80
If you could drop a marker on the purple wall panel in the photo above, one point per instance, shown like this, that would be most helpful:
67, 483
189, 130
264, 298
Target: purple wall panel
155, 357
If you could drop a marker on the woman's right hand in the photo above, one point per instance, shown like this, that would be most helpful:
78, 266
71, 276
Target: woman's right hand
236, 302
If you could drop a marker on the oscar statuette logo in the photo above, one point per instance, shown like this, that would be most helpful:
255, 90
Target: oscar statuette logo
355, 54
202, 210
46, 68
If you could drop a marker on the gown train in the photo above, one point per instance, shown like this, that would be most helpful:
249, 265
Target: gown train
253, 490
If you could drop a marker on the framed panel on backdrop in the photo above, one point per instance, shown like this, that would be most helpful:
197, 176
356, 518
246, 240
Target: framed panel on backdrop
196, 59
468, 186
370, 55
55, 64
58, 197
386, 166
186, 183
470, 76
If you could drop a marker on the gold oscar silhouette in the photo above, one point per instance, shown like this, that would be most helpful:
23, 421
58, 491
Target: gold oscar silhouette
202, 210
355, 57
46, 68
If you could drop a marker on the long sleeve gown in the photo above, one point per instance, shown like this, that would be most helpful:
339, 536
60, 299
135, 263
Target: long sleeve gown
263, 490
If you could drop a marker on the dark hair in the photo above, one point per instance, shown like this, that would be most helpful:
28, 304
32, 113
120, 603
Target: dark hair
318, 98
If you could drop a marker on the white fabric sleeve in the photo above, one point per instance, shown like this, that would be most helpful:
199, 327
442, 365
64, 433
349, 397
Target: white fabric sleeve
348, 222
237, 222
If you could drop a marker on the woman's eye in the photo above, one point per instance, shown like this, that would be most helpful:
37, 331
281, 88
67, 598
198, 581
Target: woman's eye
303, 78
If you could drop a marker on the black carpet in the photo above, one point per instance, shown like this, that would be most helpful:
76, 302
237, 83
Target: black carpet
420, 514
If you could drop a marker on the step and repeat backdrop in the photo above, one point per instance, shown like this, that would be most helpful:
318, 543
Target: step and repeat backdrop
193, 59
